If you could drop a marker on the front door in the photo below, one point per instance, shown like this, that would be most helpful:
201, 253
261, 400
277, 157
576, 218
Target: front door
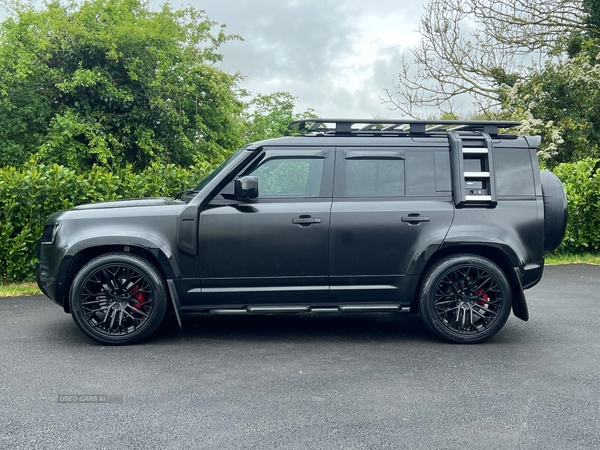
273, 248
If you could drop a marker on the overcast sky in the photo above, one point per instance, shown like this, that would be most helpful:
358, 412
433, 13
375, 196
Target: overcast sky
336, 56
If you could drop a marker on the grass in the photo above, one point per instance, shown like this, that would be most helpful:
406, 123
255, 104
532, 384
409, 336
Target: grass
570, 258
20, 289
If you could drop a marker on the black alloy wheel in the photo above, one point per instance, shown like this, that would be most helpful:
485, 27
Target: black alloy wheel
465, 299
118, 298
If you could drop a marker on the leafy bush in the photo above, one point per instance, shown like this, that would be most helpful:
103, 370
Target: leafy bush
582, 183
31, 194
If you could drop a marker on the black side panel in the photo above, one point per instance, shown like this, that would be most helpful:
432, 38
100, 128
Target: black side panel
260, 247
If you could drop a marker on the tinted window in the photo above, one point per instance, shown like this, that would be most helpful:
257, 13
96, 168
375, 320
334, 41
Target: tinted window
290, 177
382, 177
514, 173
420, 173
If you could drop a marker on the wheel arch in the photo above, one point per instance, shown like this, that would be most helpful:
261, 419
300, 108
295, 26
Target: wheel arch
506, 261
75, 260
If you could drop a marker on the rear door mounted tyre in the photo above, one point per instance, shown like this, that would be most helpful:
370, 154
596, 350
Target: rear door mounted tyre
555, 210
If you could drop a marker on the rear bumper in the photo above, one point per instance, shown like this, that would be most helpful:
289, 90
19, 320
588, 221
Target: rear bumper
531, 274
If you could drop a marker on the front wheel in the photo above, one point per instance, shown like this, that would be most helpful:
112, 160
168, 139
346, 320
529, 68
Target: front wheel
465, 299
118, 298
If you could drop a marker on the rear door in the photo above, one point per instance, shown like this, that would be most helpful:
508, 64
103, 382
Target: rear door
389, 210
274, 248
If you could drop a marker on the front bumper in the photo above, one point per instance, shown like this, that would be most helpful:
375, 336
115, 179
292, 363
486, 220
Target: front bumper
46, 273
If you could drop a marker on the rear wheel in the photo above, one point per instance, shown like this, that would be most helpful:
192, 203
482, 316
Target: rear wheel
465, 299
118, 298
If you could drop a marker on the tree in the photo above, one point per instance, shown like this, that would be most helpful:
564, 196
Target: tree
556, 97
472, 47
562, 104
111, 82
268, 116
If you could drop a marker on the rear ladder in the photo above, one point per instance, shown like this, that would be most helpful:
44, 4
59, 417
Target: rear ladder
473, 180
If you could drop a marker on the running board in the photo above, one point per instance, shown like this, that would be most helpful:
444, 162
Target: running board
277, 309
307, 309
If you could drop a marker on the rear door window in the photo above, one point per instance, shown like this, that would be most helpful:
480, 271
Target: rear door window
375, 173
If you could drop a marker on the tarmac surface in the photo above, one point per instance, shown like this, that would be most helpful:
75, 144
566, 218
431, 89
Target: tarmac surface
342, 381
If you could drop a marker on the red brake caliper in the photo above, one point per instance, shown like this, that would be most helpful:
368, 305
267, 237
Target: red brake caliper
484, 297
140, 297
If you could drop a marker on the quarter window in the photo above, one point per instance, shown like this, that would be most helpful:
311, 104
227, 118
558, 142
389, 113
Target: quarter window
514, 172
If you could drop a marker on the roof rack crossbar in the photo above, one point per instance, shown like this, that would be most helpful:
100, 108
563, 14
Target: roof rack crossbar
413, 126
436, 127
371, 126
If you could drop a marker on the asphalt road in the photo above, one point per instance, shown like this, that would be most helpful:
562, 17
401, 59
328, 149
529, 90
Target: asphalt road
309, 381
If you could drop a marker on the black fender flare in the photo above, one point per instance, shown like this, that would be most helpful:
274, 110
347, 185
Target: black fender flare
145, 241
509, 266
150, 243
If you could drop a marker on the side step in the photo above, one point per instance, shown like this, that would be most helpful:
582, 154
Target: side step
307, 309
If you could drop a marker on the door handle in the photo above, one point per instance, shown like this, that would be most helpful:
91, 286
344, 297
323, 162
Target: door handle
306, 220
415, 218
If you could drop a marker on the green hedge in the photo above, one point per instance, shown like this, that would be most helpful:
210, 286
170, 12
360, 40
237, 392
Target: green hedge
582, 183
31, 194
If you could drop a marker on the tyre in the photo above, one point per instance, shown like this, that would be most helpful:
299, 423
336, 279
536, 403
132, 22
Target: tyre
118, 298
555, 210
465, 299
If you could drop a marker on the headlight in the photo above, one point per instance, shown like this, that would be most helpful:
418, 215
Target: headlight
49, 233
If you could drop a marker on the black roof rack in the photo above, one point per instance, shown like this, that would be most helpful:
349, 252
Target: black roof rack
388, 126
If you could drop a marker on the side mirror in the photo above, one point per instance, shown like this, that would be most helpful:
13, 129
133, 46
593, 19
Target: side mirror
246, 187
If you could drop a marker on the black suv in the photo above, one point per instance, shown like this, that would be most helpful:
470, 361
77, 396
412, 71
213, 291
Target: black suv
447, 218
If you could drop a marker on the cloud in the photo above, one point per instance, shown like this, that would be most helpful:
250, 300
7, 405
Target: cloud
286, 40
336, 57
